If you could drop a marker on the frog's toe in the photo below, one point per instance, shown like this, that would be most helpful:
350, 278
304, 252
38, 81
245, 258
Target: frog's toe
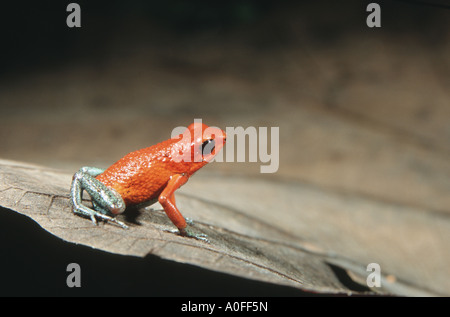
190, 234
189, 221
94, 221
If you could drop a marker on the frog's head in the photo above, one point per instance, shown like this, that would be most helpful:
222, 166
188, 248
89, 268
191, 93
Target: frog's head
205, 143
197, 146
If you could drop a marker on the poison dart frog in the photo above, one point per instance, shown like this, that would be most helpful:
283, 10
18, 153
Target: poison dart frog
146, 176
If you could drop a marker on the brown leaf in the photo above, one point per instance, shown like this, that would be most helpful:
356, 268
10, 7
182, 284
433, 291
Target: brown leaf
286, 233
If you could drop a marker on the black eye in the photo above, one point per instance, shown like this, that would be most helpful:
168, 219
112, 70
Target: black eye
208, 146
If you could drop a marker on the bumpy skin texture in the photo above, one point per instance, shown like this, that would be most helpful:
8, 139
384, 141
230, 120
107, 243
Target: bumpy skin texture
147, 175
142, 175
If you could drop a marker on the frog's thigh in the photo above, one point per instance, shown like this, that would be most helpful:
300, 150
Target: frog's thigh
105, 199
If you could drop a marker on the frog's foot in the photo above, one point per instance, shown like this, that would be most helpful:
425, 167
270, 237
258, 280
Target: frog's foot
87, 212
189, 221
186, 232
112, 219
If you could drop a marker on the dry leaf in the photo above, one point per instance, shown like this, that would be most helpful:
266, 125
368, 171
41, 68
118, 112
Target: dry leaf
286, 233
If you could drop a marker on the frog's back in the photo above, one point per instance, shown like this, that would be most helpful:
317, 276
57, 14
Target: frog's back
141, 175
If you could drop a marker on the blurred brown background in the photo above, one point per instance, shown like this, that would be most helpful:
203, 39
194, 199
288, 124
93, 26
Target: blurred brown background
360, 110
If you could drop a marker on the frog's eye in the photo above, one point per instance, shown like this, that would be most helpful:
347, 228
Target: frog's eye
208, 146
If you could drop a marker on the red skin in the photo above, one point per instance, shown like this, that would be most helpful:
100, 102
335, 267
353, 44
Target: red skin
156, 172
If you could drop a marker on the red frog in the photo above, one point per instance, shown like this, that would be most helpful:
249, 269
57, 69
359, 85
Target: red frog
148, 175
